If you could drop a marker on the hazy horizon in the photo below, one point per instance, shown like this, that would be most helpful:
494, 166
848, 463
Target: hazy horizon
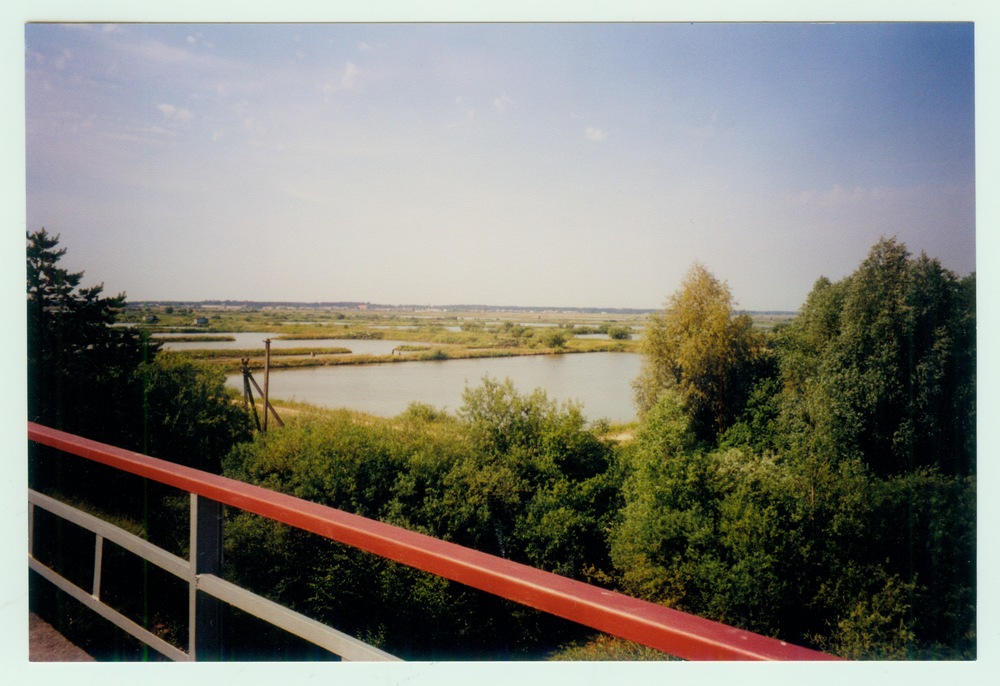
532, 165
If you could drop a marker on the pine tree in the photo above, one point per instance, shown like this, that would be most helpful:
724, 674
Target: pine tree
79, 366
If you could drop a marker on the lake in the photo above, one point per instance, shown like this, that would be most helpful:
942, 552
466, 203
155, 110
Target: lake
601, 381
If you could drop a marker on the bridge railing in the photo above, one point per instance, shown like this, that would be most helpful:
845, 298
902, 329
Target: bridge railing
673, 632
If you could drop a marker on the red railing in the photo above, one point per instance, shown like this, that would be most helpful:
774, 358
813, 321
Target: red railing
670, 631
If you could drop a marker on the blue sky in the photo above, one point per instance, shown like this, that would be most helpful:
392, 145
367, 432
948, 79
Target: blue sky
499, 164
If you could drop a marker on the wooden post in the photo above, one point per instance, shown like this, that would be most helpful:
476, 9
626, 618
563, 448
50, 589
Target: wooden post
248, 400
246, 383
267, 371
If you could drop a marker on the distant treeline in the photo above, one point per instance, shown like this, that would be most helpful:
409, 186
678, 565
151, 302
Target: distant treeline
252, 304
259, 304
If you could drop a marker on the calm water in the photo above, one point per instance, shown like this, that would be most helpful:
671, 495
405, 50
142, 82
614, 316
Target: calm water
601, 381
255, 341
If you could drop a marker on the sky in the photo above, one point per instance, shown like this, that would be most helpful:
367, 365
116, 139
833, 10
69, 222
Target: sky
527, 164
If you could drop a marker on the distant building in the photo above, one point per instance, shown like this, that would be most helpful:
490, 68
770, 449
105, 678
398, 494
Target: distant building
150, 319
201, 321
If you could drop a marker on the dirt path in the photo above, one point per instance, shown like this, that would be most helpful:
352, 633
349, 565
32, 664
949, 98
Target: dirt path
45, 644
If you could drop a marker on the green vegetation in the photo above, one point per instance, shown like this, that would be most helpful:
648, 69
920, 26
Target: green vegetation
835, 505
484, 337
812, 480
619, 333
109, 384
514, 476
697, 349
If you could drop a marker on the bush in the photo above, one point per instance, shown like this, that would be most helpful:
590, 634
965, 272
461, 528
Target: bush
553, 338
620, 333
516, 476
884, 566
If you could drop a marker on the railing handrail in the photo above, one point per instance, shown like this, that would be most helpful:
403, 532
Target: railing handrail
671, 631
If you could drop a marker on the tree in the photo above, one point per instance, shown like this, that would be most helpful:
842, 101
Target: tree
188, 414
108, 383
78, 365
882, 365
698, 349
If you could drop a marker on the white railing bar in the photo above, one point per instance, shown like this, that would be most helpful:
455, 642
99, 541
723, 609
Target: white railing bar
161, 558
98, 557
31, 526
113, 616
339, 643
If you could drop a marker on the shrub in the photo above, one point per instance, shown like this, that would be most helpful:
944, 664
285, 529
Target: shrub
553, 338
619, 333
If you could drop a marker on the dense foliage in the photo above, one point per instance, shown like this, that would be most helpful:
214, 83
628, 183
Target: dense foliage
77, 362
882, 366
816, 482
824, 554
839, 507
699, 350
516, 476
110, 383
485, 481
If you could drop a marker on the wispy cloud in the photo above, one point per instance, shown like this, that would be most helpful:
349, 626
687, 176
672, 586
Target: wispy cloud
347, 80
424, 137
177, 114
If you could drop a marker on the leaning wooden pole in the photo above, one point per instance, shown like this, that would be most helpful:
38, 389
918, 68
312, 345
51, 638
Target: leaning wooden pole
267, 407
248, 400
267, 372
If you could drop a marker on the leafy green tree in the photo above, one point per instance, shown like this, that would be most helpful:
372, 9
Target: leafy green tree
559, 471
697, 348
882, 365
188, 414
666, 517
109, 383
883, 567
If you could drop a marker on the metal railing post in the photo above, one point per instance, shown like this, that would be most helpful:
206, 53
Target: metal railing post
205, 612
